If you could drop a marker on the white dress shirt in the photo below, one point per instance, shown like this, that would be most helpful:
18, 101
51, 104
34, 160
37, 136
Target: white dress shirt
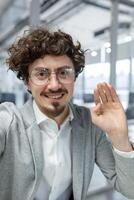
125, 154
57, 177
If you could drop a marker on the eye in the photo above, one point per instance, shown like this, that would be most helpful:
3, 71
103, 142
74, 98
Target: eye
65, 72
41, 74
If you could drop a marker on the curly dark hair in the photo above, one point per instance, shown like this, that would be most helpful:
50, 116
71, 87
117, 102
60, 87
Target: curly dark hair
39, 42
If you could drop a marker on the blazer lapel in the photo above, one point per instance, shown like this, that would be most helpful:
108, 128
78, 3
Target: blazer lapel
34, 137
78, 144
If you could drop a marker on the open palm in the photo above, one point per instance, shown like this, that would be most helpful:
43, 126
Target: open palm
108, 113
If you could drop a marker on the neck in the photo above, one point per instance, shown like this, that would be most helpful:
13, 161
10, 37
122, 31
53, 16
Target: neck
60, 119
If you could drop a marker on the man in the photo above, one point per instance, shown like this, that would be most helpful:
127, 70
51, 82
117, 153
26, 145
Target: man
49, 147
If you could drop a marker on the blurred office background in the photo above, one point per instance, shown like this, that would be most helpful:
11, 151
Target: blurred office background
105, 29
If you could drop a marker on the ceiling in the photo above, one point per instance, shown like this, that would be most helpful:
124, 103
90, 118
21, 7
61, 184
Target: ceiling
87, 21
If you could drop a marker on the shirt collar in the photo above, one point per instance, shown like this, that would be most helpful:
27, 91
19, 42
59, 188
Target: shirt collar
40, 117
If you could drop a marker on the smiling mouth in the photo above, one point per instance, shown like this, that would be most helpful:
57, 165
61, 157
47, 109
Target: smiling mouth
54, 96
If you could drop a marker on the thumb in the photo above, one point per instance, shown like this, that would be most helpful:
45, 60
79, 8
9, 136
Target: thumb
96, 111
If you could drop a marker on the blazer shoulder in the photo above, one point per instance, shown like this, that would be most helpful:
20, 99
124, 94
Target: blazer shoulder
7, 111
8, 107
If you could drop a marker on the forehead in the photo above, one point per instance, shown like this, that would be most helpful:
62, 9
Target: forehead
51, 62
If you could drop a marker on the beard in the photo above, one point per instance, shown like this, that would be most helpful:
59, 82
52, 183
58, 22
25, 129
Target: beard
54, 110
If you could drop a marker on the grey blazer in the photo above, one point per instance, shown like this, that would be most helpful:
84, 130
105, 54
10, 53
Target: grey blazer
21, 155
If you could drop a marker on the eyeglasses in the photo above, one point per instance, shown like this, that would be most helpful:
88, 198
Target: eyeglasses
41, 76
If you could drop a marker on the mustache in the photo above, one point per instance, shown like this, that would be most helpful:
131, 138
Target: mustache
55, 92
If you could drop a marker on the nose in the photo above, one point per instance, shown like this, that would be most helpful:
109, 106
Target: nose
54, 83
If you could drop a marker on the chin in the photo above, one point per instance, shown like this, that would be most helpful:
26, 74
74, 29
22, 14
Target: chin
54, 110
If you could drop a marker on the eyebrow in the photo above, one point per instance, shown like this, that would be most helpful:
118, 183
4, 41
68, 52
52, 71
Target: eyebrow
39, 68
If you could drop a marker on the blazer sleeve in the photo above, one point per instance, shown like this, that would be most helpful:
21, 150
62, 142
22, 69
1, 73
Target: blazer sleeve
5, 121
118, 170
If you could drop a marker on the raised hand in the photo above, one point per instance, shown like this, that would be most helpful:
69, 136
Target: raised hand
109, 115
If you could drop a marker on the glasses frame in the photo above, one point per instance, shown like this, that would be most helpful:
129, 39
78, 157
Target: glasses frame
45, 82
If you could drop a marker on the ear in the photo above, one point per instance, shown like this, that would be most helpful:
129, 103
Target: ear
26, 82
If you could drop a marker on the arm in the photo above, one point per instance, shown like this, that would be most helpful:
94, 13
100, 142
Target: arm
108, 114
117, 169
5, 120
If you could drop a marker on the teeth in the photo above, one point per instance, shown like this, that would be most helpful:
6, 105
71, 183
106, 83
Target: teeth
55, 97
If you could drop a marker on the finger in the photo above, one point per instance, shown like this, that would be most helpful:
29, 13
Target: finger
104, 93
96, 97
107, 91
113, 93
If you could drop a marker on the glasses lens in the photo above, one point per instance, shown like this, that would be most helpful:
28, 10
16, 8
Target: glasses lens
66, 74
39, 76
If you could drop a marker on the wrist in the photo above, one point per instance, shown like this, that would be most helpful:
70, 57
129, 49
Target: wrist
124, 145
